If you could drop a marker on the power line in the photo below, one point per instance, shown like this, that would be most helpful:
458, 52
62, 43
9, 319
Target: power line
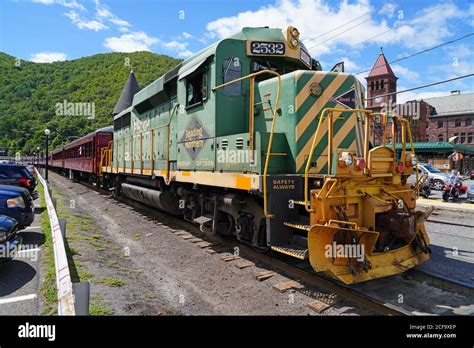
423, 86
329, 31
420, 52
339, 33
390, 29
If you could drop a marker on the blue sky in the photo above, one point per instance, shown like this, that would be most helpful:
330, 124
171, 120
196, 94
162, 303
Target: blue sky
353, 31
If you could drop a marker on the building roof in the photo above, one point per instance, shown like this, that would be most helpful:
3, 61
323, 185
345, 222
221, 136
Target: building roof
429, 146
381, 67
456, 104
126, 97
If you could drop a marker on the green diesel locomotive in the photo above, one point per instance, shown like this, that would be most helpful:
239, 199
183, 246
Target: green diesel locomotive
250, 138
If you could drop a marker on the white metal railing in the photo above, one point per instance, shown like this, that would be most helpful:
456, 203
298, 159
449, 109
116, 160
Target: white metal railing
63, 277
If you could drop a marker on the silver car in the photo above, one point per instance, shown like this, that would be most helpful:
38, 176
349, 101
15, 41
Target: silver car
439, 178
470, 194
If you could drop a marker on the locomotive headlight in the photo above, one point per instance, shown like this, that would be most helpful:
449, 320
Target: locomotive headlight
348, 159
292, 35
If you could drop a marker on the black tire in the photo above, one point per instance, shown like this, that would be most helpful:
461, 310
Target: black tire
445, 196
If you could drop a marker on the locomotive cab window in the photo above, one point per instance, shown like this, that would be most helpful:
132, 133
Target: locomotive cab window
232, 70
196, 88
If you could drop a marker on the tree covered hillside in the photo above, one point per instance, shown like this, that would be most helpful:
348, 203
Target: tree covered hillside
29, 94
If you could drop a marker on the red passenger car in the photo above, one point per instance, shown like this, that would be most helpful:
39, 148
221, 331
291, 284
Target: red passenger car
82, 156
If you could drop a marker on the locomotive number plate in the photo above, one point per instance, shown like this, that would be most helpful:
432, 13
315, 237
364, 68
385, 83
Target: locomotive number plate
267, 48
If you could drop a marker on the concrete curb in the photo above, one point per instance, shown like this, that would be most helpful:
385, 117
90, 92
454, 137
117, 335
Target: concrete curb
63, 277
469, 207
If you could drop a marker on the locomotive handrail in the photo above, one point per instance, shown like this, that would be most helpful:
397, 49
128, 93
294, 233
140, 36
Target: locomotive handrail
168, 172
313, 144
251, 125
405, 128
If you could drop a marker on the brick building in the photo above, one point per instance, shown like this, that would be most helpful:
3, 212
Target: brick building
452, 118
381, 80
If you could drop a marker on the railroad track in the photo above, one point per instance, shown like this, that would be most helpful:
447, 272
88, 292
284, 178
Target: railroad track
305, 274
449, 223
272, 261
438, 280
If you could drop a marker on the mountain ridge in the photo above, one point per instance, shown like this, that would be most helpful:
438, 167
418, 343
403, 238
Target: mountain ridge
30, 95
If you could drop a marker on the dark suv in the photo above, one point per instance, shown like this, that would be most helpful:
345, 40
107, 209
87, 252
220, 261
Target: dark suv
17, 203
18, 175
9, 239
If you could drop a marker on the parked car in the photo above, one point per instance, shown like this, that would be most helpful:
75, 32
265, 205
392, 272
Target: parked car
31, 170
470, 194
9, 238
17, 203
439, 178
18, 175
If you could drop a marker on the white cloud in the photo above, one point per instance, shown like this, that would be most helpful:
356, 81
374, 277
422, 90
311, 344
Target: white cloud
131, 42
84, 24
429, 27
349, 65
388, 9
186, 35
405, 73
185, 54
47, 57
103, 12
69, 4
175, 45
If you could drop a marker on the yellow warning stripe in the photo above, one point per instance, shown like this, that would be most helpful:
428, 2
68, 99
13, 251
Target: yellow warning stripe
319, 104
338, 138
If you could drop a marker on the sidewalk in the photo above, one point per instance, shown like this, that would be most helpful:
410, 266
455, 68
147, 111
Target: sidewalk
440, 204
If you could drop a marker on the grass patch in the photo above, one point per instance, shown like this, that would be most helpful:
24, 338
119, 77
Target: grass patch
112, 282
137, 236
98, 308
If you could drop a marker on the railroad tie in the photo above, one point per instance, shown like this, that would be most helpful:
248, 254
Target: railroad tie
290, 284
261, 276
318, 306
203, 244
244, 264
228, 258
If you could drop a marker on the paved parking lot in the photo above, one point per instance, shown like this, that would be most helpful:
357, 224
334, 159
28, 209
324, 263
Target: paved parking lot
21, 278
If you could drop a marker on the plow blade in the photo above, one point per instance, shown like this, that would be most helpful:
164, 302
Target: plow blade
344, 251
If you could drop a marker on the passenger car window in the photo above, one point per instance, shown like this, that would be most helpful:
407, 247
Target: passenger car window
231, 70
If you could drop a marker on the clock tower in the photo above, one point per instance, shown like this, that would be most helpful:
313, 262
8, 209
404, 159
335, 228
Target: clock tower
381, 80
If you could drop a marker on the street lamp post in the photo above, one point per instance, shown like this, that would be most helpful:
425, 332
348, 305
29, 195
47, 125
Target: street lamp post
46, 132
38, 159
